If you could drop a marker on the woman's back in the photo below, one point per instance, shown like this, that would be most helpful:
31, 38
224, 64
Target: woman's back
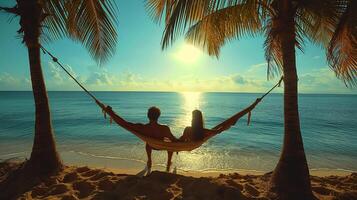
190, 135
195, 132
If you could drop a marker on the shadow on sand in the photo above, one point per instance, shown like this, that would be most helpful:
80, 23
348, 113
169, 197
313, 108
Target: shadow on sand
86, 183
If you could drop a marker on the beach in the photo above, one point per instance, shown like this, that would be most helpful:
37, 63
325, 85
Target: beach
93, 183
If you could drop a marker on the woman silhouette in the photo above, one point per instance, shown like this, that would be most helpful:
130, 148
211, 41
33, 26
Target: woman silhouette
196, 131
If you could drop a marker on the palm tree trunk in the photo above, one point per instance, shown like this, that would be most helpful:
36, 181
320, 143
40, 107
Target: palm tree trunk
291, 179
44, 157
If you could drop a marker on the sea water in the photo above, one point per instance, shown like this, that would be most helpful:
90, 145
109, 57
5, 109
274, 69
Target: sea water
84, 137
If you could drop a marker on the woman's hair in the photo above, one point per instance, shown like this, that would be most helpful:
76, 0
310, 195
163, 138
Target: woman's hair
197, 125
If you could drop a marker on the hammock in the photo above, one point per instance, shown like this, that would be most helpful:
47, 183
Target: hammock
183, 146
172, 146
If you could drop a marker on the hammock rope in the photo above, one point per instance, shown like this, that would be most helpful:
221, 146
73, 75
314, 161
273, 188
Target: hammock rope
171, 146
55, 59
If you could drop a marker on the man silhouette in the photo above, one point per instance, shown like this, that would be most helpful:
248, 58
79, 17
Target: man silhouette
152, 129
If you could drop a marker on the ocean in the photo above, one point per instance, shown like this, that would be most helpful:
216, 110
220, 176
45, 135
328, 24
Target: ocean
84, 137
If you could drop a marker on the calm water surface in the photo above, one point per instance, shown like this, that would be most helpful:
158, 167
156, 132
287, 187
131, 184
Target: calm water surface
328, 123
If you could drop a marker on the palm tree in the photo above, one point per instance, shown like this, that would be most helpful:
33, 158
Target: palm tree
285, 24
90, 22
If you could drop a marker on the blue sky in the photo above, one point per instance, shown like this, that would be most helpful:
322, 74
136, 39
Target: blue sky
140, 65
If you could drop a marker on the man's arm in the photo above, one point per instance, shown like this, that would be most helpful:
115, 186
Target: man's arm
184, 135
169, 135
119, 120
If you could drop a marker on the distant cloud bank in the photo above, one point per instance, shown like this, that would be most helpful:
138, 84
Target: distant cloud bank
321, 80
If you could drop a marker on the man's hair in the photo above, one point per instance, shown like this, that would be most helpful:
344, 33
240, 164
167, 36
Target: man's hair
154, 113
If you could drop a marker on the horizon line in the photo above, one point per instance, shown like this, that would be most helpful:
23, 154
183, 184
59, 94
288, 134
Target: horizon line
153, 91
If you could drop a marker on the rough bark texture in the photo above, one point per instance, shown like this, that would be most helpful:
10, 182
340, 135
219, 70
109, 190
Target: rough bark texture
44, 157
291, 179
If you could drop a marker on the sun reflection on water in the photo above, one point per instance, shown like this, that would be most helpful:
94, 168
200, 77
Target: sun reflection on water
191, 101
197, 159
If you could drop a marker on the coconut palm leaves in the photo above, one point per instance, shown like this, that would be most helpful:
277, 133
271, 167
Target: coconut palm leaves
211, 23
91, 22
213, 30
342, 51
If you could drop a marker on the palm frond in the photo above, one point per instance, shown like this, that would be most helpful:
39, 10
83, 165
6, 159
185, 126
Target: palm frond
342, 51
315, 19
273, 49
185, 13
54, 25
223, 25
182, 15
92, 22
158, 9
12, 10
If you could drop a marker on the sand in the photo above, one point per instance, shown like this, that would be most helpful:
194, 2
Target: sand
90, 183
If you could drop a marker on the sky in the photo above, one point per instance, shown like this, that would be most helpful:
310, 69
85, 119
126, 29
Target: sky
139, 64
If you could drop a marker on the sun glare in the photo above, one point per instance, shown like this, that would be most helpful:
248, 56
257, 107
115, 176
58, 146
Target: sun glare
191, 101
187, 54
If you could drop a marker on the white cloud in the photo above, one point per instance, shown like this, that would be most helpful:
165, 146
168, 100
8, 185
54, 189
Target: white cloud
257, 70
55, 72
100, 79
10, 82
318, 81
264, 64
322, 80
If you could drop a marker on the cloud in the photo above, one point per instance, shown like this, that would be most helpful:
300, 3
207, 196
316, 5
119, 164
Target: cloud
128, 81
322, 80
10, 82
100, 79
55, 72
256, 70
238, 79
57, 79
259, 65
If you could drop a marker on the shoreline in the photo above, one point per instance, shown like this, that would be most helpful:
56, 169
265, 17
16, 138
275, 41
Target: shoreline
217, 173
127, 167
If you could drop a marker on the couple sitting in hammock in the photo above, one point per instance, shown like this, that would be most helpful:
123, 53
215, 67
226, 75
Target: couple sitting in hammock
195, 132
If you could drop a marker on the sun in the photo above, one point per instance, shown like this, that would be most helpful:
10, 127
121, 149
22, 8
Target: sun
187, 54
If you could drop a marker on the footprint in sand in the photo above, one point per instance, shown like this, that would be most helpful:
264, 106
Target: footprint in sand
58, 189
98, 176
234, 184
84, 188
70, 177
69, 197
106, 185
38, 191
82, 169
90, 173
321, 190
251, 190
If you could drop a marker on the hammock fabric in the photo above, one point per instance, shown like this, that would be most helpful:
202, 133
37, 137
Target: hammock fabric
181, 146
160, 144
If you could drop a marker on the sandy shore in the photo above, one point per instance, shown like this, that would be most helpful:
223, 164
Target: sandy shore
90, 183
